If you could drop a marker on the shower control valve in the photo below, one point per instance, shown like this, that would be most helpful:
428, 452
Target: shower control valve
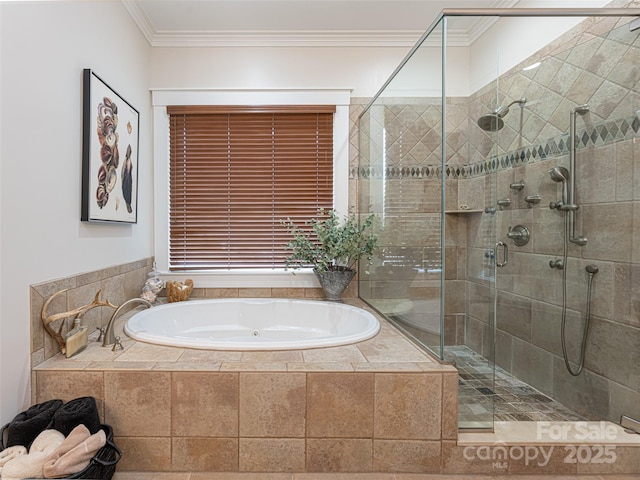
554, 205
519, 234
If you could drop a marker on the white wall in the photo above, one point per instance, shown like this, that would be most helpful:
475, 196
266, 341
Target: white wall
44, 47
421, 76
361, 69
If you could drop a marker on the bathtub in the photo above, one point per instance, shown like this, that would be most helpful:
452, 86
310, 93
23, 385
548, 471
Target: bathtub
252, 324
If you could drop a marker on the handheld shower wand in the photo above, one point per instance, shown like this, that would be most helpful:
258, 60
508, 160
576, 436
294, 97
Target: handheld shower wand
560, 174
569, 206
591, 271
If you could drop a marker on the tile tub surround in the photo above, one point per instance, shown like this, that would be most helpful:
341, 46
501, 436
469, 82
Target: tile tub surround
381, 405
116, 284
377, 406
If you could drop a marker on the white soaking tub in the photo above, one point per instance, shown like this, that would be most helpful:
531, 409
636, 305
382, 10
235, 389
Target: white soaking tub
252, 324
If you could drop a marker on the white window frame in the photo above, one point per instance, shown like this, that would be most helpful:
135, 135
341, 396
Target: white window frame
244, 278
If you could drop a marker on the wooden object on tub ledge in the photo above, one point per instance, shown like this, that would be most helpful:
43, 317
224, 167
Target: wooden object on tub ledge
178, 291
47, 320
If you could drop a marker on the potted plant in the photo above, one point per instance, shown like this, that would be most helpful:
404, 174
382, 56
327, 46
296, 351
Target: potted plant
332, 247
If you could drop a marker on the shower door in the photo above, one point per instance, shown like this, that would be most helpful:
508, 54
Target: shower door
471, 222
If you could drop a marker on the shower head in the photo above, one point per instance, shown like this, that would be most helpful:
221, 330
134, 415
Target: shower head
490, 122
559, 174
493, 122
592, 269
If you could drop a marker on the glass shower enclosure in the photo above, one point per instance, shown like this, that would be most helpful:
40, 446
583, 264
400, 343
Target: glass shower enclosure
503, 140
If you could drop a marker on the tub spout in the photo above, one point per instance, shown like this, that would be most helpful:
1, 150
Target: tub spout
109, 336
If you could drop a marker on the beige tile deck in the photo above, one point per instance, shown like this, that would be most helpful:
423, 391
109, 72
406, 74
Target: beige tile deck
389, 351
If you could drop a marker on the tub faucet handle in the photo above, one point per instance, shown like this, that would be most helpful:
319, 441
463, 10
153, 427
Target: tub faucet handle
117, 345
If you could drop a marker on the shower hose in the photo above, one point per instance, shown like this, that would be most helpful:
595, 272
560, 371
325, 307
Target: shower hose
563, 324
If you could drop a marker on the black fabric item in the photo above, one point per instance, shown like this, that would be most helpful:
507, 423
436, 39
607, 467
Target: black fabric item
26, 426
82, 410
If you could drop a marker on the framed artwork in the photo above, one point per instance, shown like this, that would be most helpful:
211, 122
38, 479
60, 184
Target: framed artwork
110, 140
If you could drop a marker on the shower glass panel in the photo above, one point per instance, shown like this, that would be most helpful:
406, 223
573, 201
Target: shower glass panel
400, 180
417, 138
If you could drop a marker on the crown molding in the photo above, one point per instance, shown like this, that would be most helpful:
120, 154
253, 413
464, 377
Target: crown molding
304, 38
140, 18
245, 38
285, 38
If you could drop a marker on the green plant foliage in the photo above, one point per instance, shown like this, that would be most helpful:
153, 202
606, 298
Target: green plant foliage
330, 243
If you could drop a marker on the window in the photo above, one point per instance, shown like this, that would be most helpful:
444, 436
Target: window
235, 172
250, 277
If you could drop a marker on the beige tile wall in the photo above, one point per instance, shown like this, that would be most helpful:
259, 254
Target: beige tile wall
115, 284
587, 65
269, 421
214, 421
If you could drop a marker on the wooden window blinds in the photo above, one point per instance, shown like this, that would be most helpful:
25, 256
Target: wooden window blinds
235, 173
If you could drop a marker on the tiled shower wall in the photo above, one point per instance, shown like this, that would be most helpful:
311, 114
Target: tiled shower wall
597, 63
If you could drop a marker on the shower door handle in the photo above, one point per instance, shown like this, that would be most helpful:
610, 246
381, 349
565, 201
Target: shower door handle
505, 254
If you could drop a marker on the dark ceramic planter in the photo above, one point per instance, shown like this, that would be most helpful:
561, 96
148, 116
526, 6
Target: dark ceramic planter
334, 282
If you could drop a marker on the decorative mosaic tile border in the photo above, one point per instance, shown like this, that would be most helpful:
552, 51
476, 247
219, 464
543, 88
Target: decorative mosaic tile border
413, 172
608, 132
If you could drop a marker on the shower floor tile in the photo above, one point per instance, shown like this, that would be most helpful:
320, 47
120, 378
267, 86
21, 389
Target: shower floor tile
507, 397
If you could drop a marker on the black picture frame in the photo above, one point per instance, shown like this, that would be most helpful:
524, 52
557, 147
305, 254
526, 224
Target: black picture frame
110, 153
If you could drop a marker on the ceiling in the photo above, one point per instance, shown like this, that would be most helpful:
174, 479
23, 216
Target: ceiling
192, 23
